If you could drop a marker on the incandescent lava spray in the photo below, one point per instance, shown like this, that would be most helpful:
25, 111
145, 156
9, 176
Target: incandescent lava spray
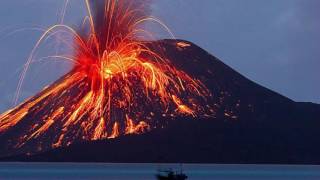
119, 84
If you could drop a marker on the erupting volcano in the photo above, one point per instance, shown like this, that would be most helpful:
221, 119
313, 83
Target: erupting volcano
132, 98
119, 85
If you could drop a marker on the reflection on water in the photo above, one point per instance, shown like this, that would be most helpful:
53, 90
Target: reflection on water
148, 171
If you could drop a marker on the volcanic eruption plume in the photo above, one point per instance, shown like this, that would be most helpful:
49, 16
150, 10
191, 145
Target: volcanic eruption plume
119, 84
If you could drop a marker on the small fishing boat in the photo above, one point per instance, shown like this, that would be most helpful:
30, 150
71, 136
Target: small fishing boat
171, 175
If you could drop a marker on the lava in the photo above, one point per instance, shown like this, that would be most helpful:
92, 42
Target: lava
118, 85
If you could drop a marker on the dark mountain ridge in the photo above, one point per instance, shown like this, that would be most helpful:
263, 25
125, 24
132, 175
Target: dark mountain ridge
252, 124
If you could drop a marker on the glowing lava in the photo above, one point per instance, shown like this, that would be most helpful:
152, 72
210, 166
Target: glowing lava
118, 85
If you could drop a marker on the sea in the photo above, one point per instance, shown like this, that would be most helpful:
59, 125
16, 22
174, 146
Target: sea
61, 171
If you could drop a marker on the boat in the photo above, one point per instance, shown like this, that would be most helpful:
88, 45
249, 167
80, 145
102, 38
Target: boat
171, 175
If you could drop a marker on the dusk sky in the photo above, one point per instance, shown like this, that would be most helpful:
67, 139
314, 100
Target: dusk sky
275, 43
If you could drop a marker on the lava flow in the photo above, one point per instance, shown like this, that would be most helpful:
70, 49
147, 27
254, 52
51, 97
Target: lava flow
118, 85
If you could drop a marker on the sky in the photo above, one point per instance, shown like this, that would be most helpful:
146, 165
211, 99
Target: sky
275, 43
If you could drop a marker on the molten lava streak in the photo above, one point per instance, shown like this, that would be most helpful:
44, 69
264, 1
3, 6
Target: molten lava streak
118, 86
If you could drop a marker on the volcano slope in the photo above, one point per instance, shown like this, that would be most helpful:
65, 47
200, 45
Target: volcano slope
251, 124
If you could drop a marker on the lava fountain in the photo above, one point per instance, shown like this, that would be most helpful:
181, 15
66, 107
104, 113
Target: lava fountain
118, 84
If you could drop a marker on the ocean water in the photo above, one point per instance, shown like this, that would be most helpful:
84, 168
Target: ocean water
148, 171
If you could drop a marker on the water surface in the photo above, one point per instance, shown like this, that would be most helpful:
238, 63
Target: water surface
148, 171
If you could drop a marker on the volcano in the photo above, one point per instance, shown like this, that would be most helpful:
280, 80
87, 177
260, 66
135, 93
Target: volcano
119, 85
251, 124
129, 99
